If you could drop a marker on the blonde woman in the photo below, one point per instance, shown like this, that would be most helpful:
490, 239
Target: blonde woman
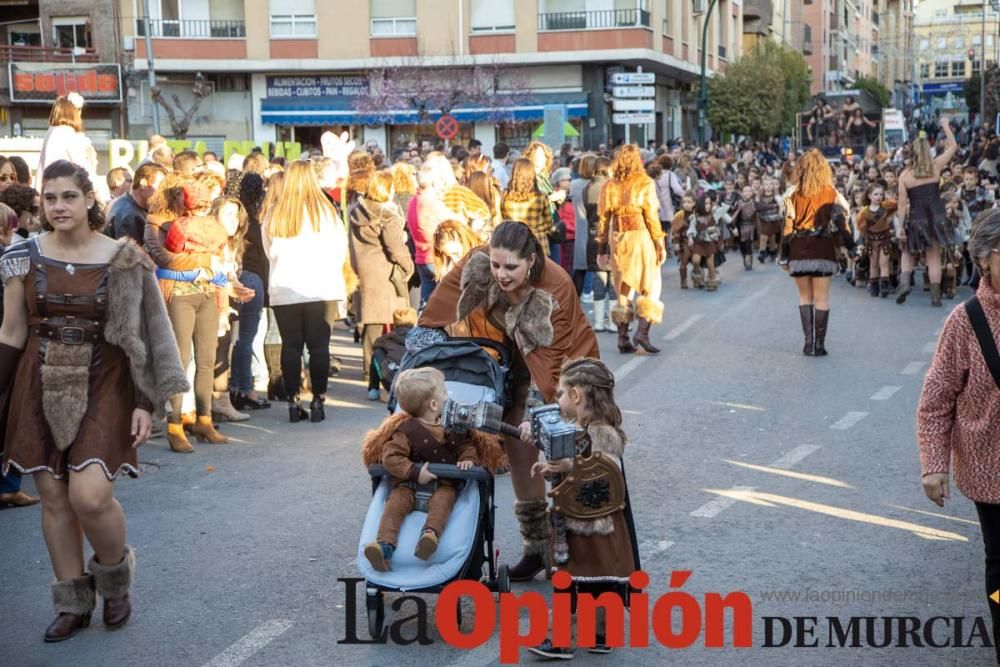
925, 226
452, 241
65, 140
814, 213
306, 244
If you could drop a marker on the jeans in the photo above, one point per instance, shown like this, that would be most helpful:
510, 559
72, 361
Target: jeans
11, 482
306, 324
555, 252
195, 319
600, 284
427, 282
989, 520
241, 374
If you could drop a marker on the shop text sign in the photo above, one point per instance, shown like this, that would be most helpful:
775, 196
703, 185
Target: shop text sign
44, 82
340, 85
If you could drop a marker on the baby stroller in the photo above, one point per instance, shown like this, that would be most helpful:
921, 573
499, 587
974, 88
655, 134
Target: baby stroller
466, 548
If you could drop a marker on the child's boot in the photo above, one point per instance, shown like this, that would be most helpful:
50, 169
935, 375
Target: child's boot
379, 554
427, 544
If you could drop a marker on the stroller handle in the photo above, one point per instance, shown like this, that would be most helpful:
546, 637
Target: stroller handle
501, 349
445, 470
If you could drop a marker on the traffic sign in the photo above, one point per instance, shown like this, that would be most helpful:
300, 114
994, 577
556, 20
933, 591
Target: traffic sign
633, 105
632, 78
633, 91
446, 127
633, 118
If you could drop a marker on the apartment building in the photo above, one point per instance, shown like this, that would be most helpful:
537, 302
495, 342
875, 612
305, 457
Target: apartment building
779, 20
897, 70
387, 69
49, 47
848, 34
953, 38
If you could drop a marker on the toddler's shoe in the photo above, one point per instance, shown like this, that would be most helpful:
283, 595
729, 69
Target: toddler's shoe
373, 394
379, 554
427, 544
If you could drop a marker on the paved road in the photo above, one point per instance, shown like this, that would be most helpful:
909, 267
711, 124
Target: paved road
760, 470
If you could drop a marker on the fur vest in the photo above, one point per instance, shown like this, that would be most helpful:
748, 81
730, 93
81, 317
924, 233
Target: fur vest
372, 449
607, 440
137, 322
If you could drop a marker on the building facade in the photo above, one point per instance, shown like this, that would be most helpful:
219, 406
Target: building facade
779, 20
953, 38
286, 70
898, 66
847, 34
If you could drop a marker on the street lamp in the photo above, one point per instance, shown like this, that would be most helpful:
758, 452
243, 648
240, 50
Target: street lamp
703, 89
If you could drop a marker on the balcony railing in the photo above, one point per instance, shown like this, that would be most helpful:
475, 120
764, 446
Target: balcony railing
605, 18
42, 54
193, 29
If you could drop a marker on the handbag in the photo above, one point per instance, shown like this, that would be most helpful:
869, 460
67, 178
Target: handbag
558, 233
987, 345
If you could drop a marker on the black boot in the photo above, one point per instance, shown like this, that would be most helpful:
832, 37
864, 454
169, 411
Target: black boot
642, 337
316, 411
761, 256
822, 318
873, 287
806, 315
295, 411
884, 287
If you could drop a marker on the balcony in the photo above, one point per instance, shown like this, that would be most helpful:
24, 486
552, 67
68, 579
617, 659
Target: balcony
192, 29
41, 54
595, 20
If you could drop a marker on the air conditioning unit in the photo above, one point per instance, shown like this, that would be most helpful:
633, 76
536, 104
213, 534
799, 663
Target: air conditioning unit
699, 6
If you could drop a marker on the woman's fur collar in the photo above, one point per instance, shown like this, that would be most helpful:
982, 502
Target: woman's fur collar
528, 322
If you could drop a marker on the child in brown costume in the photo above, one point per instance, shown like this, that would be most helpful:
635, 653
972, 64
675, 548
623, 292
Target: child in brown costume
405, 444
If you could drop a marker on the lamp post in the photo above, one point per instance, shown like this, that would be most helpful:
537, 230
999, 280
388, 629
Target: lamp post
151, 70
703, 89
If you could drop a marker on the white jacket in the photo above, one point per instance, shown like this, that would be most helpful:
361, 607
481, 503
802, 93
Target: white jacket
62, 142
310, 266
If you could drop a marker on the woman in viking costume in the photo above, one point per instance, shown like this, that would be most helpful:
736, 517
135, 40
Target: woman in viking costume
88, 357
509, 292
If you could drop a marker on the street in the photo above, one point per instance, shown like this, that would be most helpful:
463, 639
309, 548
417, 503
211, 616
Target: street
792, 479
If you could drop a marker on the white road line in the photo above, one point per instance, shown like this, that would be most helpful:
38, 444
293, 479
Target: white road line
848, 420
791, 458
682, 327
628, 367
713, 507
652, 547
885, 393
913, 368
930, 348
250, 643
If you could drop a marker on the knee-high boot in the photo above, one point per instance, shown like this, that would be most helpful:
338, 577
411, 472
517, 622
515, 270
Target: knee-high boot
113, 583
622, 317
807, 314
822, 319
533, 520
648, 311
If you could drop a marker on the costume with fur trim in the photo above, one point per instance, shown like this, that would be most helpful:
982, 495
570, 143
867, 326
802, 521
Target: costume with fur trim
133, 363
377, 440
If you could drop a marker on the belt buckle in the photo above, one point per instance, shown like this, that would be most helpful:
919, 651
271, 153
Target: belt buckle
71, 335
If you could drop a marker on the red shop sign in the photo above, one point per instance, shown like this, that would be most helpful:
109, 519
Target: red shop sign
44, 82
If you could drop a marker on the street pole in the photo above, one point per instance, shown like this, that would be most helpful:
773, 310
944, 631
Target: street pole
149, 64
982, 73
703, 90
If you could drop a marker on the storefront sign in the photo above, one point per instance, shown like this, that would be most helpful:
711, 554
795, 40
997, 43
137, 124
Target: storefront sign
339, 85
44, 82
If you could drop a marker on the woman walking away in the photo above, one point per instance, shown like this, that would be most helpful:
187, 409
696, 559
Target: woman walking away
814, 212
87, 343
925, 225
630, 242
958, 419
306, 244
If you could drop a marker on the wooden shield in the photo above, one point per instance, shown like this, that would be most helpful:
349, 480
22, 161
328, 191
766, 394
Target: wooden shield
595, 488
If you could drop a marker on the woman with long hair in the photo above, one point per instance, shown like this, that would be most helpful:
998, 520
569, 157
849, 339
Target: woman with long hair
630, 243
540, 157
524, 202
814, 213
925, 228
452, 241
86, 343
306, 245
65, 140
486, 188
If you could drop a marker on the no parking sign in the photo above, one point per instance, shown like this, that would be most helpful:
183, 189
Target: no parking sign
446, 127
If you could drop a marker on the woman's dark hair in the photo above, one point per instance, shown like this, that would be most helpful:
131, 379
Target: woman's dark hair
21, 169
66, 169
703, 205
518, 238
251, 194
19, 197
991, 152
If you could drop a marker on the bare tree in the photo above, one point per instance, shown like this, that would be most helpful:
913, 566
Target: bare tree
180, 124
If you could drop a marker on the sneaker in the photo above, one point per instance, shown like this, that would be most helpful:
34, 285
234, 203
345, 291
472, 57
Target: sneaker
373, 394
547, 650
599, 646
587, 297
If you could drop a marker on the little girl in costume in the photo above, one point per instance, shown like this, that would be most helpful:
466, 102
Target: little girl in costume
602, 551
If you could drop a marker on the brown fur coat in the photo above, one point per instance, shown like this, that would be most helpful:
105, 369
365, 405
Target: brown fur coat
487, 446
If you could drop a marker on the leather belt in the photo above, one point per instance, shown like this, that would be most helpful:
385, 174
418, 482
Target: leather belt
628, 223
69, 330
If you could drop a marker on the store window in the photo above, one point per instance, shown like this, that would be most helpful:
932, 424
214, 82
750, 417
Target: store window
293, 19
71, 32
401, 136
492, 15
394, 17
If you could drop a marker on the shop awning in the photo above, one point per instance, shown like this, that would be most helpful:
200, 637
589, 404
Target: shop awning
341, 111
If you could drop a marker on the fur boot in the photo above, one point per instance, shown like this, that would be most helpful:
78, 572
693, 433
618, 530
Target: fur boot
113, 583
74, 601
532, 518
649, 309
697, 277
622, 317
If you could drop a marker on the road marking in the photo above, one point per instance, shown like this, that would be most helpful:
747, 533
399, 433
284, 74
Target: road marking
628, 367
913, 368
682, 327
744, 303
713, 507
885, 393
930, 348
741, 406
848, 420
791, 458
941, 516
250, 643
651, 548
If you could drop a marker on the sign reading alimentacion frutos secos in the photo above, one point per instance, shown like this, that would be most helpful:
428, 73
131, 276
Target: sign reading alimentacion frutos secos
633, 100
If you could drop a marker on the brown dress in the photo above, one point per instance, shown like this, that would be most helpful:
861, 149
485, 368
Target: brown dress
104, 435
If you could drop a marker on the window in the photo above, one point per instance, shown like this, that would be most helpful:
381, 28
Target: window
960, 42
977, 40
666, 16
492, 15
925, 44
71, 32
975, 67
940, 69
989, 41
958, 68
293, 19
925, 70
942, 43
396, 17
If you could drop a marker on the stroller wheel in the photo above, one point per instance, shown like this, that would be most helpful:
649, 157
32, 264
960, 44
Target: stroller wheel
503, 579
376, 615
